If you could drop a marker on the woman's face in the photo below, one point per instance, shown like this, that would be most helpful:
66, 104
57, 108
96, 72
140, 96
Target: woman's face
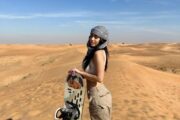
94, 40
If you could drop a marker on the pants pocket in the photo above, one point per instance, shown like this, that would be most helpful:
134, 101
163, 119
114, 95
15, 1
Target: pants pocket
100, 106
94, 101
100, 113
104, 97
102, 91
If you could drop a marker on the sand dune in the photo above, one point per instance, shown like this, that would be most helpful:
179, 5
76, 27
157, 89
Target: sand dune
144, 80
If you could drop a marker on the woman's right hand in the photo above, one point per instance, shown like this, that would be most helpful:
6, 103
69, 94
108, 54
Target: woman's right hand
71, 72
74, 70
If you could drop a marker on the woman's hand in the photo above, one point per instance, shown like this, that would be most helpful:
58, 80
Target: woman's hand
74, 70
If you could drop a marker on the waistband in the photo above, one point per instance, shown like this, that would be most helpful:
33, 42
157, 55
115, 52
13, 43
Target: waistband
99, 90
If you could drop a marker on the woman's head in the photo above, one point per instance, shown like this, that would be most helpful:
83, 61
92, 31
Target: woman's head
98, 37
101, 32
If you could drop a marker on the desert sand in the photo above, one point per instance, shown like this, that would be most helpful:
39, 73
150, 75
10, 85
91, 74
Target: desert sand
144, 80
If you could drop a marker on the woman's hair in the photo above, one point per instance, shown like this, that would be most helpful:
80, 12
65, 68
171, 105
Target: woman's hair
90, 54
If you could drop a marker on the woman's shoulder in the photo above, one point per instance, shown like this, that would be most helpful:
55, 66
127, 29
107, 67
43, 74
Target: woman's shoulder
100, 54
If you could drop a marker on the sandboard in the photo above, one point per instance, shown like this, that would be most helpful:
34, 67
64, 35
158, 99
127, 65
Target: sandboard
74, 94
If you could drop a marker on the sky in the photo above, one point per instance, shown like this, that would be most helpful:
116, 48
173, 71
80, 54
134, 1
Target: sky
70, 21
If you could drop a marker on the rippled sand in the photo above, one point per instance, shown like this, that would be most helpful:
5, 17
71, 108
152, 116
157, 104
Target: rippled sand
144, 80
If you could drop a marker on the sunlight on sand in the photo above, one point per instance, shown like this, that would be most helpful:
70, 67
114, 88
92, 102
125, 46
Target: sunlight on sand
144, 80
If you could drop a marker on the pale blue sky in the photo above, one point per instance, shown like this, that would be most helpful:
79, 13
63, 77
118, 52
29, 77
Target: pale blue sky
70, 21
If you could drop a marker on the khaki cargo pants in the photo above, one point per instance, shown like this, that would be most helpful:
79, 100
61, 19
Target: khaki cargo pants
100, 105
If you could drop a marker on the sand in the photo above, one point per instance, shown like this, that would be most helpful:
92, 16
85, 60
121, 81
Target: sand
144, 80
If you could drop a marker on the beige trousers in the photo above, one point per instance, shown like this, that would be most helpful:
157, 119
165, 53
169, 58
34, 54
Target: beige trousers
100, 105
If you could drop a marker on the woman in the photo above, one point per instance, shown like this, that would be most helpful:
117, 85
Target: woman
94, 65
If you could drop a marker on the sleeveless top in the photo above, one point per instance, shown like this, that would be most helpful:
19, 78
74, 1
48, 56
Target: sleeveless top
91, 68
